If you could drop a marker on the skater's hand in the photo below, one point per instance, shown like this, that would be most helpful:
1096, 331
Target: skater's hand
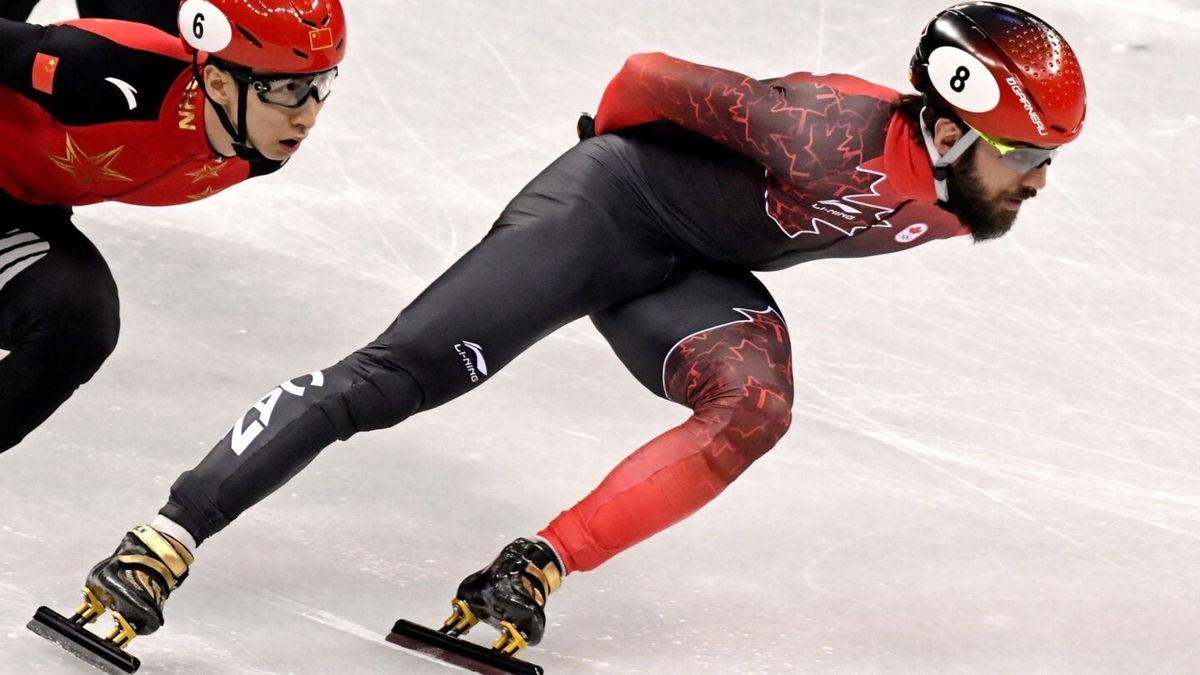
586, 126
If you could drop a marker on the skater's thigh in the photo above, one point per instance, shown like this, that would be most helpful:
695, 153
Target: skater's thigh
569, 244
708, 321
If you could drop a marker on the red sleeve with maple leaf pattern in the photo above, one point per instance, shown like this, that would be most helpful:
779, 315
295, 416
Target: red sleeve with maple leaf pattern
750, 116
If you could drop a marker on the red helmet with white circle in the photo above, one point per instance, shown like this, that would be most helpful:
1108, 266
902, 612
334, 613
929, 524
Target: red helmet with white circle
1005, 72
275, 36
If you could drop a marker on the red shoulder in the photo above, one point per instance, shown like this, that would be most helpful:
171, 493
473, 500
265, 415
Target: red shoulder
847, 84
134, 35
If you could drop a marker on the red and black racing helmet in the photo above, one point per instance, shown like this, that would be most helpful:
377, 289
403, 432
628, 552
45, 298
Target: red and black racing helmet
1005, 72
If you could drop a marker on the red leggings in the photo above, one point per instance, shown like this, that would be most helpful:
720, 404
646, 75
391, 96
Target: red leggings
737, 380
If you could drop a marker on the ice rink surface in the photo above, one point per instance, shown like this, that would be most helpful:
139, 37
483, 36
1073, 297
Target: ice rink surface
993, 466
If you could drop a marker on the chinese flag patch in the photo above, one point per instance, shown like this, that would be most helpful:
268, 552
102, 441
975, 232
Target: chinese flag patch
319, 39
44, 67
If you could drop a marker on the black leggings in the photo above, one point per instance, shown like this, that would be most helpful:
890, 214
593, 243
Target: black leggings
577, 241
58, 314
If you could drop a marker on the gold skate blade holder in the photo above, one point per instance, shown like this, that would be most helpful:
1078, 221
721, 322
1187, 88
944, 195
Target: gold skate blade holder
90, 610
122, 634
461, 620
511, 641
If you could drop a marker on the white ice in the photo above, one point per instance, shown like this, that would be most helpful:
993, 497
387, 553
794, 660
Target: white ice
993, 467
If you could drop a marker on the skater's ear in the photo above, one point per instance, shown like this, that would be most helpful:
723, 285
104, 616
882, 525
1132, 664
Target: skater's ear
220, 84
945, 134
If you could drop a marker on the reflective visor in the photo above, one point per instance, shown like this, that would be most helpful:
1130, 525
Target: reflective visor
291, 91
1021, 158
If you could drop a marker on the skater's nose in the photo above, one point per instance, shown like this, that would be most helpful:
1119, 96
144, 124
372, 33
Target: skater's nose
305, 117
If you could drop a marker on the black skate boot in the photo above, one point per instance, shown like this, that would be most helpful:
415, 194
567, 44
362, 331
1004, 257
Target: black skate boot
134, 582
136, 579
509, 594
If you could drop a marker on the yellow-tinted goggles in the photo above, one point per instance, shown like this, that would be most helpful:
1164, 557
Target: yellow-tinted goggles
1020, 158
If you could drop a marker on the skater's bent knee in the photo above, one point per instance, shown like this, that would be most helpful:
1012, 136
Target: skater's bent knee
75, 342
758, 421
92, 349
69, 358
744, 426
381, 397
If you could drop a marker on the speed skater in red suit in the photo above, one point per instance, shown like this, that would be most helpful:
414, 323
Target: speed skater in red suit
97, 110
689, 179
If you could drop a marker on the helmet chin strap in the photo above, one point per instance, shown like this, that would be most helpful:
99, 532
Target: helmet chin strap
941, 163
241, 144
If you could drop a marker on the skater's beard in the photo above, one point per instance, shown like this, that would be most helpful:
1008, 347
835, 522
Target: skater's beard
986, 217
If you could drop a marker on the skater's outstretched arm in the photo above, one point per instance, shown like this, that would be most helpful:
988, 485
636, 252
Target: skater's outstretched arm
775, 123
17, 10
18, 48
158, 13
68, 69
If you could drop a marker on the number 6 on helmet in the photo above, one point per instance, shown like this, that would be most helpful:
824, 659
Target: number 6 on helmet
274, 36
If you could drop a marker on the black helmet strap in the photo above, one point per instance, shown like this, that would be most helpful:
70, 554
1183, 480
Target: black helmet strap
241, 145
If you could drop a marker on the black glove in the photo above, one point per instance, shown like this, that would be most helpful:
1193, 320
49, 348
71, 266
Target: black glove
586, 126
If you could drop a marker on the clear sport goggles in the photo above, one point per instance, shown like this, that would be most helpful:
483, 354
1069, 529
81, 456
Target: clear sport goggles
290, 91
1021, 158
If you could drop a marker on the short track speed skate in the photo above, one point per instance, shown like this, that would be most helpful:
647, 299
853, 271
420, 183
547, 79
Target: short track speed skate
510, 595
133, 582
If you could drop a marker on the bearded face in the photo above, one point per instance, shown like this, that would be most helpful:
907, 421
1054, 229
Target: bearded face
983, 197
986, 195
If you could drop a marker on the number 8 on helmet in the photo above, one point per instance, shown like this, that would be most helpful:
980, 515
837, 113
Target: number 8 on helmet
1003, 72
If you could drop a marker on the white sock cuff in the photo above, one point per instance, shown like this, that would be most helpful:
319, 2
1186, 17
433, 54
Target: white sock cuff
562, 567
175, 531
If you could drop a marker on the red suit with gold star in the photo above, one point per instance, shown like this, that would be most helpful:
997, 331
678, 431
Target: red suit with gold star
90, 111
96, 110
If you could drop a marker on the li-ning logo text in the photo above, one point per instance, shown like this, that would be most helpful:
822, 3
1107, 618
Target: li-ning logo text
1037, 120
837, 208
475, 366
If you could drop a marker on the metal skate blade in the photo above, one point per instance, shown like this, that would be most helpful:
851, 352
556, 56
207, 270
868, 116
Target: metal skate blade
465, 655
81, 642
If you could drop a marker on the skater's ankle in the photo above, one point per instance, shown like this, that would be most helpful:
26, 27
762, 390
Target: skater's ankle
548, 563
176, 534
